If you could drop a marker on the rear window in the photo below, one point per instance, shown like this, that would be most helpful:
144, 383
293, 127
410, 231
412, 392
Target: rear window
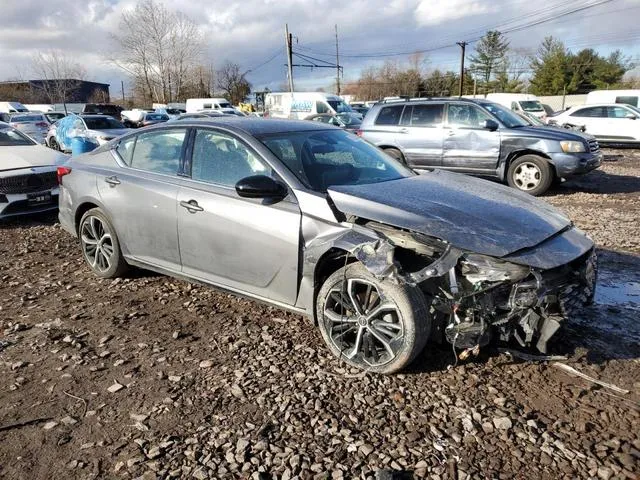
27, 118
157, 116
102, 123
389, 115
12, 138
628, 100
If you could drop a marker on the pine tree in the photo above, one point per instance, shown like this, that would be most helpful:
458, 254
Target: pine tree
490, 55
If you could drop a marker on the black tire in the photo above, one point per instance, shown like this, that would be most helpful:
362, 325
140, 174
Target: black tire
357, 338
54, 144
397, 154
530, 174
105, 259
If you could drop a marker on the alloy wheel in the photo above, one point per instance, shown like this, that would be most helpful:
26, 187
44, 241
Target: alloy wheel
364, 325
527, 176
97, 243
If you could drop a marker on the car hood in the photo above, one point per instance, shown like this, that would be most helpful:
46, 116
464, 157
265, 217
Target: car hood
469, 213
548, 133
25, 156
112, 132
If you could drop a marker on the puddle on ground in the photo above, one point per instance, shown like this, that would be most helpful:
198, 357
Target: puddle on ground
619, 294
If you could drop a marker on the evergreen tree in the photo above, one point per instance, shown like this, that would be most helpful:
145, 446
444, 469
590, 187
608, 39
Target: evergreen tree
490, 55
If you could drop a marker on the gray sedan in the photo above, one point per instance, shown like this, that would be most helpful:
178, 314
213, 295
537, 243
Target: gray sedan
313, 219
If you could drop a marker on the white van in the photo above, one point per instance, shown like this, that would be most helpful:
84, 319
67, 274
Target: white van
12, 107
519, 102
630, 97
197, 104
39, 107
299, 105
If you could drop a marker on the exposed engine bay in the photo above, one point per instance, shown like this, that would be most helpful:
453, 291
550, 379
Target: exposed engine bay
475, 298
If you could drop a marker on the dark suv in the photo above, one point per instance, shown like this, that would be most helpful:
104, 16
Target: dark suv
479, 137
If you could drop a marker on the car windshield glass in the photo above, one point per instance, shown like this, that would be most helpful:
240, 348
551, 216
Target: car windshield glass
531, 106
321, 159
54, 116
506, 116
225, 105
350, 119
532, 119
339, 106
156, 116
635, 109
11, 138
27, 118
102, 123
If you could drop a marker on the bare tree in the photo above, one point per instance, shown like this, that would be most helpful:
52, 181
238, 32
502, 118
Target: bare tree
160, 48
60, 75
232, 82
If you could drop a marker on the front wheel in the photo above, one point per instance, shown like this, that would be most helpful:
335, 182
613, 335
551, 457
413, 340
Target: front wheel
372, 324
100, 245
54, 144
531, 174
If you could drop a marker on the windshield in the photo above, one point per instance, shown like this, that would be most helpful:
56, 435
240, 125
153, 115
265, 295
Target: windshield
339, 106
54, 116
532, 119
506, 116
531, 106
321, 159
225, 105
350, 119
102, 123
11, 138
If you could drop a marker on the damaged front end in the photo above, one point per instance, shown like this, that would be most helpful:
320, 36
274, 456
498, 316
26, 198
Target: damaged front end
476, 298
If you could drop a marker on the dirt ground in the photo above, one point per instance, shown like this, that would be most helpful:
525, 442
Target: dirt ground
151, 377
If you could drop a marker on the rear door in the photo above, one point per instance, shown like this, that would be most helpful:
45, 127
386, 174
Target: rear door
468, 146
246, 245
141, 196
421, 134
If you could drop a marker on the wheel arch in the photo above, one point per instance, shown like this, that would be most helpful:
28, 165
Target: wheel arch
520, 153
330, 261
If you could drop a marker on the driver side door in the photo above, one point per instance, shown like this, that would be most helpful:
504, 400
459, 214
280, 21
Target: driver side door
244, 244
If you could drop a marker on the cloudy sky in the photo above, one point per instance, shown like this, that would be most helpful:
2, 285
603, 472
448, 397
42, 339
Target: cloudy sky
251, 32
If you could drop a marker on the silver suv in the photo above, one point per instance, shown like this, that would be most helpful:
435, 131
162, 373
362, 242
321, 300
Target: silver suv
479, 137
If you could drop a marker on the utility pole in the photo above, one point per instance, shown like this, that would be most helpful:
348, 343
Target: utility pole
462, 46
337, 65
289, 41
122, 86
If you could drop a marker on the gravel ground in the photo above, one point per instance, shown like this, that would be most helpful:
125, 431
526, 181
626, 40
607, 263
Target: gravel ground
150, 377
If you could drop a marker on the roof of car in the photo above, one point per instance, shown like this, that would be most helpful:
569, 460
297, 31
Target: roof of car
394, 101
261, 126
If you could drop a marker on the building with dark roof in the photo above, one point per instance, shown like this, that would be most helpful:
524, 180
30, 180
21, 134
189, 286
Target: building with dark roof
51, 91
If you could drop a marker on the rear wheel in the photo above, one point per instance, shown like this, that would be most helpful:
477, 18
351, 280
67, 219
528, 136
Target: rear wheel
531, 174
395, 153
54, 144
100, 245
374, 325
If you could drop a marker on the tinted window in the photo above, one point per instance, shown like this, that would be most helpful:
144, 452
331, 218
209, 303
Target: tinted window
102, 123
321, 107
156, 116
628, 100
11, 138
389, 115
158, 152
27, 118
466, 116
333, 157
125, 149
223, 160
425, 115
617, 112
593, 112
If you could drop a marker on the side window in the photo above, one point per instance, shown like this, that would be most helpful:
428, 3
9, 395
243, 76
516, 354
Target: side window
628, 100
466, 116
159, 152
514, 106
321, 107
591, 112
125, 149
389, 115
223, 160
206, 106
617, 112
427, 115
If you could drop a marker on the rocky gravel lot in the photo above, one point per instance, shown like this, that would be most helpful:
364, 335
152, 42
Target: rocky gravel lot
150, 377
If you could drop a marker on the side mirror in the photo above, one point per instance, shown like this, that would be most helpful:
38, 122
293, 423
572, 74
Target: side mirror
491, 125
261, 186
630, 116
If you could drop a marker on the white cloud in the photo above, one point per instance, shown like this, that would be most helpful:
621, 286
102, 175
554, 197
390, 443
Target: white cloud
434, 12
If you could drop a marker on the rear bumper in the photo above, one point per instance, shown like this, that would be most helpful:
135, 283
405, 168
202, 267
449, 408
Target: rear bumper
569, 164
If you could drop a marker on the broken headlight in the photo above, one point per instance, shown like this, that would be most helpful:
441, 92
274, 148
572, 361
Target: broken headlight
481, 268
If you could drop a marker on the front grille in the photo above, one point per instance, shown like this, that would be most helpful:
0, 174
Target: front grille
594, 146
28, 183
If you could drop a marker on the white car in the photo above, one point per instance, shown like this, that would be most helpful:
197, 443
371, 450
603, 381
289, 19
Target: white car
610, 123
28, 174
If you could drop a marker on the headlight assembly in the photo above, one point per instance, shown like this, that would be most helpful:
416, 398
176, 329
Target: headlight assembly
572, 146
481, 268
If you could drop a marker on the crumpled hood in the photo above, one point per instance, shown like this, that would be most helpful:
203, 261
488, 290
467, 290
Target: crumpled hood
26, 156
470, 213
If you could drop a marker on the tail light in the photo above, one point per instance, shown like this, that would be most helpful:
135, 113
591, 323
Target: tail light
62, 171
359, 132
42, 125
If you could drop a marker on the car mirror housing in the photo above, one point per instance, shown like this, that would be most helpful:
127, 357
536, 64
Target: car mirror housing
630, 116
261, 186
491, 125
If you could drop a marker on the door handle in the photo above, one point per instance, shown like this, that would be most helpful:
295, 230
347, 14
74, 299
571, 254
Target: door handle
192, 206
113, 181
404, 130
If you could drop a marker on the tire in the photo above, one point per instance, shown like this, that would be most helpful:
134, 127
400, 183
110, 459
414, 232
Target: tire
100, 245
397, 154
54, 144
404, 324
530, 174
